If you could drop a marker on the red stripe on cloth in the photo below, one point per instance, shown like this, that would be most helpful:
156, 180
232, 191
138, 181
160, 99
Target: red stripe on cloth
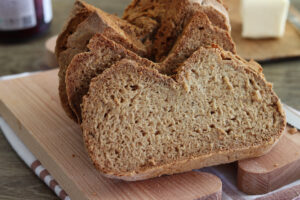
53, 183
44, 173
62, 194
35, 164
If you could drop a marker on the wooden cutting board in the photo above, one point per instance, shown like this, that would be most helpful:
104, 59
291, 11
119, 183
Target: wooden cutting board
279, 167
31, 107
263, 49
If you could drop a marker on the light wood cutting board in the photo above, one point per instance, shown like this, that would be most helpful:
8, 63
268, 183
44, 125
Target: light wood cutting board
30, 105
263, 49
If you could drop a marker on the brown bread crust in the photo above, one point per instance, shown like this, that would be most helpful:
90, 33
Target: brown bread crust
199, 32
102, 87
79, 13
163, 20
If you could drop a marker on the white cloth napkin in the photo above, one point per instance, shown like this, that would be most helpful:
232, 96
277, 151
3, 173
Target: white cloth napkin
226, 173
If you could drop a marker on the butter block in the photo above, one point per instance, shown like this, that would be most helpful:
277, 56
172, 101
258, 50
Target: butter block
264, 18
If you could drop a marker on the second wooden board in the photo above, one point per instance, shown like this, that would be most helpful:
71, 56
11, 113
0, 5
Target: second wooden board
262, 49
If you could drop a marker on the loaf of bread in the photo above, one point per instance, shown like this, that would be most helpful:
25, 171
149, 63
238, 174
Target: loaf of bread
162, 90
84, 22
138, 123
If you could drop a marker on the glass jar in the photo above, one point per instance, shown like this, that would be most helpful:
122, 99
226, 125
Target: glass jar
24, 19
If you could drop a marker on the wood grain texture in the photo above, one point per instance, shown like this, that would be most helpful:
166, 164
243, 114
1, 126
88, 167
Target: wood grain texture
273, 170
262, 49
31, 107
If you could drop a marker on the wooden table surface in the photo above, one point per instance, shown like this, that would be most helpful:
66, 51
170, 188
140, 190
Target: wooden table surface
17, 181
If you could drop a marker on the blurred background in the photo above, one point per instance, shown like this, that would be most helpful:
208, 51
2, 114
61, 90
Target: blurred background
19, 182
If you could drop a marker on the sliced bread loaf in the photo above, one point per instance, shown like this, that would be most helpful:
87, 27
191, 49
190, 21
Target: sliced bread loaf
138, 123
87, 20
198, 32
84, 22
102, 54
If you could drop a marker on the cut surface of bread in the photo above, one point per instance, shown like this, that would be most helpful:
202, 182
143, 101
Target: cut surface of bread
138, 123
103, 53
84, 22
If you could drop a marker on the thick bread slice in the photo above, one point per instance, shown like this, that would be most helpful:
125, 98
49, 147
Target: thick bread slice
84, 66
138, 123
199, 32
163, 20
84, 22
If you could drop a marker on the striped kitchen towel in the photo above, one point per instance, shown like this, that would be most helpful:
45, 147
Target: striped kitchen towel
31, 160
26, 155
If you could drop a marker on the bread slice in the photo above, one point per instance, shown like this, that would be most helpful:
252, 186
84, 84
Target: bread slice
199, 32
102, 53
139, 124
84, 22
163, 20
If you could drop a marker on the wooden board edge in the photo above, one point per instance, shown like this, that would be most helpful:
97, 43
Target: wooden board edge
255, 188
50, 57
30, 142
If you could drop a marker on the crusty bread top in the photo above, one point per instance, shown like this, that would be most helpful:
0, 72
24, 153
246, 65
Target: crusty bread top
163, 20
216, 12
136, 120
78, 14
198, 32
